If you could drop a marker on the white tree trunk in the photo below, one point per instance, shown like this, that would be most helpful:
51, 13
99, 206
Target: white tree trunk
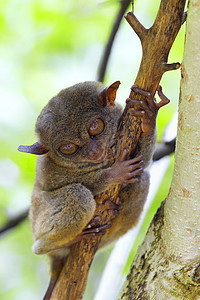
167, 265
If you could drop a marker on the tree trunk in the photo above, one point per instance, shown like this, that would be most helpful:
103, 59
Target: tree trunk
167, 265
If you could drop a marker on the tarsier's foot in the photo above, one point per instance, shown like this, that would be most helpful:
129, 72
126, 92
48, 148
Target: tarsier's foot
147, 109
113, 209
93, 229
89, 232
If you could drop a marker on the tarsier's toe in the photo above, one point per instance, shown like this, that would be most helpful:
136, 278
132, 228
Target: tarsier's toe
95, 231
113, 208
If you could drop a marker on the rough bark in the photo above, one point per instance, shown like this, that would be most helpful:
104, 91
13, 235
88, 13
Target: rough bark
167, 264
156, 43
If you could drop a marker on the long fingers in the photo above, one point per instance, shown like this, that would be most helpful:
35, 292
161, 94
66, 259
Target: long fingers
150, 99
148, 96
140, 108
95, 230
123, 155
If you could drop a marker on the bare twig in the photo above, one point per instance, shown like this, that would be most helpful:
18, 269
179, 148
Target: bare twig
14, 221
108, 47
139, 29
164, 149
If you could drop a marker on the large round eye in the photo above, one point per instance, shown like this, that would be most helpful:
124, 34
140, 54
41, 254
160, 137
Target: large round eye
96, 127
68, 148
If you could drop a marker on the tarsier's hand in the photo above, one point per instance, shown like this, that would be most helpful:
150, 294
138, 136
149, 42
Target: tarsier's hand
125, 171
147, 109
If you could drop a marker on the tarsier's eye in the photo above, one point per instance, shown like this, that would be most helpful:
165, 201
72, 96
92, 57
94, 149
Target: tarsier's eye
96, 127
68, 148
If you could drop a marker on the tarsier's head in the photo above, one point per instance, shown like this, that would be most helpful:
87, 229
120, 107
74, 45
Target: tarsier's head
78, 125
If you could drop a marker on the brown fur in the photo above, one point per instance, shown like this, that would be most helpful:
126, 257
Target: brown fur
63, 196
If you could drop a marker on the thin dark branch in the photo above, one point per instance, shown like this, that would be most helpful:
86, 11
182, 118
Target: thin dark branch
107, 50
14, 221
164, 149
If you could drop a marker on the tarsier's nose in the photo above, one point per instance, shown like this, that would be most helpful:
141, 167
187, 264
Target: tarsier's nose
96, 153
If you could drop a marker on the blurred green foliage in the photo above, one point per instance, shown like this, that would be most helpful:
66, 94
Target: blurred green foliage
47, 45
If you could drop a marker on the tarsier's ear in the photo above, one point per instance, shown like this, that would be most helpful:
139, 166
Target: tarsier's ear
108, 94
36, 148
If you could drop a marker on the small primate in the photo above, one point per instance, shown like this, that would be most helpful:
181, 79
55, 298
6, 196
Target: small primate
75, 132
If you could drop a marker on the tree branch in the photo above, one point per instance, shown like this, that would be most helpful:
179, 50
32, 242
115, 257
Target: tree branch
164, 149
156, 46
107, 50
170, 67
14, 221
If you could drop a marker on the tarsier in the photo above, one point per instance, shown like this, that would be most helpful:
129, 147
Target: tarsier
75, 132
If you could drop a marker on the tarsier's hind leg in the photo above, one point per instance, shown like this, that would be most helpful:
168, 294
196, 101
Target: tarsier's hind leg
59, 223
91, 229
64, 222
